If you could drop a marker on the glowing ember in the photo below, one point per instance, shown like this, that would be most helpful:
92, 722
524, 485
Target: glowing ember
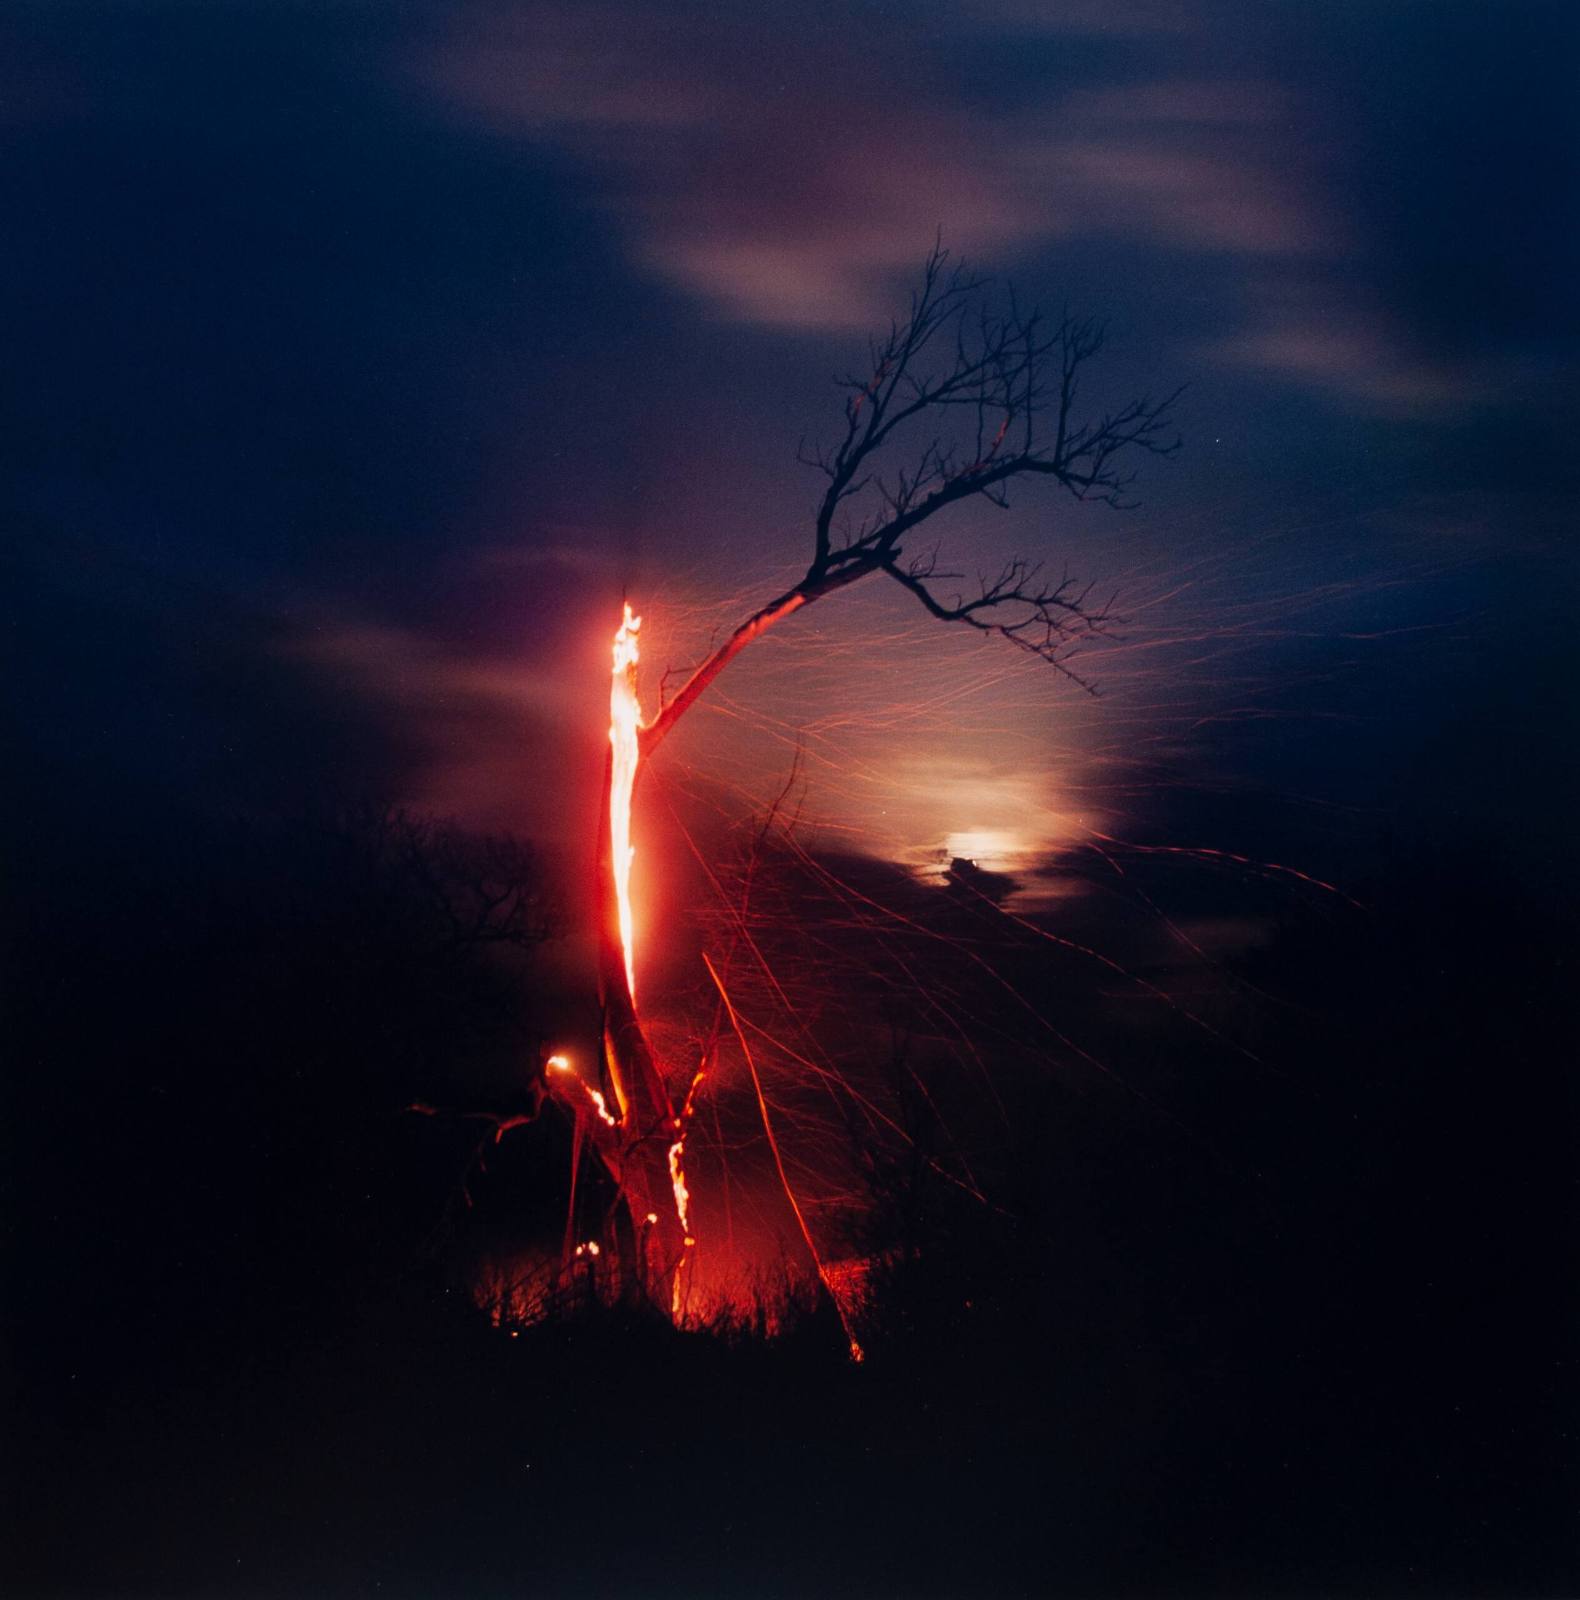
625, 722
682, 1194
562, 1065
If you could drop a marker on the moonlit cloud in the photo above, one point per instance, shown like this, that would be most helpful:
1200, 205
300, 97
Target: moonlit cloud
785, 177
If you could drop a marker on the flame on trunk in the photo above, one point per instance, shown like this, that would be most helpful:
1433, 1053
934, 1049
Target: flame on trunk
561, 1064
625, 728
677, 1178
649, 1108
625, 721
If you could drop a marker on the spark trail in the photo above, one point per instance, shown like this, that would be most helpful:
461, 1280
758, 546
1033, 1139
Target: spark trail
856, 1352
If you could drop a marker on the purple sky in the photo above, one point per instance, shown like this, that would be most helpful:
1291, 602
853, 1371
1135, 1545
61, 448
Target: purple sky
361, 357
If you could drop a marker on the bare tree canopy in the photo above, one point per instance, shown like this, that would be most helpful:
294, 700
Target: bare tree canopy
958, 401
449, 890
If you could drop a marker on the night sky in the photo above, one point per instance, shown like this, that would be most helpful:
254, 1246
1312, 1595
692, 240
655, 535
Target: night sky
359, 359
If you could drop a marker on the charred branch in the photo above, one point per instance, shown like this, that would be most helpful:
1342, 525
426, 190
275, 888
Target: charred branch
1048, 620
1008, 385
960, 402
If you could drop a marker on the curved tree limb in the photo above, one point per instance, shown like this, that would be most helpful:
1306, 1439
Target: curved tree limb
1004, 390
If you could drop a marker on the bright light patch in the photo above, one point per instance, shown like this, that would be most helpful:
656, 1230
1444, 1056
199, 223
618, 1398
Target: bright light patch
562, 1064
992, 849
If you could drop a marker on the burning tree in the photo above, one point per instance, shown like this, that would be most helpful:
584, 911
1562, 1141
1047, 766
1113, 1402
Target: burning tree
958, 401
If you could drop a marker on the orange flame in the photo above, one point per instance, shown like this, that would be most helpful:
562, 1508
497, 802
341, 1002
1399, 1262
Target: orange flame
677, 1177
625, 722
562, 1064
625, 729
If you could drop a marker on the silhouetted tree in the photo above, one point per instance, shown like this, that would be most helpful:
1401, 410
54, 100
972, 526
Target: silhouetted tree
957, 402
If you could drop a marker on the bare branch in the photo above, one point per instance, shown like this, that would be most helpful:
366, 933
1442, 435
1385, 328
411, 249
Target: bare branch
1046, 620
991, 398
1007, 397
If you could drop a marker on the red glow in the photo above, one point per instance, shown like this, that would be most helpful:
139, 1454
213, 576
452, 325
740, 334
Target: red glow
682, 1194
856, 1353
561, 1065
625, 723
762, 1190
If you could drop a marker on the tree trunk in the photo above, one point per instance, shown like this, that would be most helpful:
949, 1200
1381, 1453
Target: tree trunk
648, 1125
636, 1129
